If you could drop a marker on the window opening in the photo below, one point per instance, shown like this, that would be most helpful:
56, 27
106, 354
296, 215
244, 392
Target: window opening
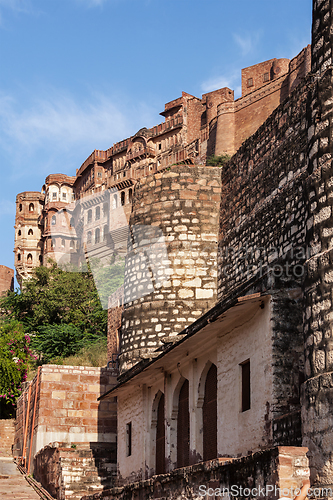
209, 415
129, 439
160, 438
246, 385
183, 427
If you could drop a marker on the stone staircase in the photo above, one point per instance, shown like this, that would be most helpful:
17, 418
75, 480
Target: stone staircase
7, 431
72, 471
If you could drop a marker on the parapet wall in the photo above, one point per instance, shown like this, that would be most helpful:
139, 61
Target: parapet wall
66, 408
277, 471
170, 275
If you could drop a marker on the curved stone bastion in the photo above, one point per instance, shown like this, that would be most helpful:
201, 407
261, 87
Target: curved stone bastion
170, 276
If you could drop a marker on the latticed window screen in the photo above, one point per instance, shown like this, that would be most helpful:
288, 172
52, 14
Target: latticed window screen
209, 415
160, 438
183, 428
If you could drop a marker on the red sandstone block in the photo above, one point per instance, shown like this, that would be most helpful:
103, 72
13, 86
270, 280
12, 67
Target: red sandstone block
75, 396
293, 450
54, 404
90, 396
84, 405
187, 195
89, 422
71, 420
215, 197
194, 187
89, 379
283, 460
214, 183
69, 377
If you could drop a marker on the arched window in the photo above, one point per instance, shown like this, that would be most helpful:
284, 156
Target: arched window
19, 232
209, 415
97, 235
130, 195
63, 242
183, 427
29, 258
18, 257
105, 209
105, 232
30, 232
71, 245
122, 198
53, 243
160, 438
115, 201
89, 216
53, 220
20, 207
97, 213
89, 238
31, 207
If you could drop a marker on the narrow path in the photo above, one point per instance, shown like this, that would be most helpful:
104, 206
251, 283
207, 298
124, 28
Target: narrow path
13, 485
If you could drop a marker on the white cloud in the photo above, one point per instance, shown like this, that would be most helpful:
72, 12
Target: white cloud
92, 3
231, 81
247, 42
60, 127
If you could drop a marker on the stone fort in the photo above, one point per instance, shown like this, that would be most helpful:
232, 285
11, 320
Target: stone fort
223, 328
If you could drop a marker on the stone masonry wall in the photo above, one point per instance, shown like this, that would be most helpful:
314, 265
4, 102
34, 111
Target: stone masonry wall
114, 325
273, 470
263, 206
170, 276
6, 279
66, 408
317, 416
69, 471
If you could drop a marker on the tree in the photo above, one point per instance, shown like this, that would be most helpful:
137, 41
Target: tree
55, 297
15, 358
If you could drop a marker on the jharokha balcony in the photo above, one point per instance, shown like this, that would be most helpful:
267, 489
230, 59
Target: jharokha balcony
143, 152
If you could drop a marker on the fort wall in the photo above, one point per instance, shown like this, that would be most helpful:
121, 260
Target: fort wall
170, 276
282, 467
271, 82
318, 327
64, 401
6, 279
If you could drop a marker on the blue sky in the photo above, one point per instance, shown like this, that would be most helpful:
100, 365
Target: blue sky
79, 75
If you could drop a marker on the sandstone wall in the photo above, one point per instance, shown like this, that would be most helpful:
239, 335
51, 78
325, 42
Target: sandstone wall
170, 276
283, 467
6, 279
66, 408
70, 470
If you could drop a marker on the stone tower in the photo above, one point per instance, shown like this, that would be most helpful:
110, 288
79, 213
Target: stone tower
170, 277
317, 416
28, 247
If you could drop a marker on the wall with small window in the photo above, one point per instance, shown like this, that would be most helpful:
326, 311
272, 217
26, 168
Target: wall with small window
211, 396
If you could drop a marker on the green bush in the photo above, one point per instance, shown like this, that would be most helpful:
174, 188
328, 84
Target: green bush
15, 360
217, 161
